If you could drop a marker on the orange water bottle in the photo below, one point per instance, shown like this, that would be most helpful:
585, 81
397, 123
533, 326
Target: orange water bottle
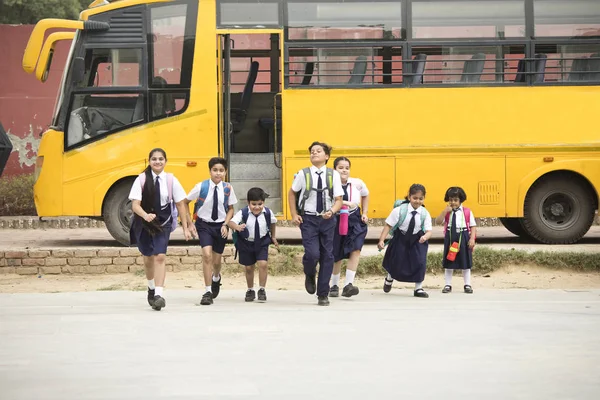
452, 251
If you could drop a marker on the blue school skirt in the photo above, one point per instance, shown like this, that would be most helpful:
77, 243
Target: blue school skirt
148, 244
464, 257
405, 258
354, 240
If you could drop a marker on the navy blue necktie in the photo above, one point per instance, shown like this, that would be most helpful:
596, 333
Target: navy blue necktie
345, 187
319, 193
411, 224
256, 234
157, 196
215, 209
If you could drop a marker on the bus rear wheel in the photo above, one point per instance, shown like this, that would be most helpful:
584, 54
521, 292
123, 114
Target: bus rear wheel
117, 212
559, 209
515, 226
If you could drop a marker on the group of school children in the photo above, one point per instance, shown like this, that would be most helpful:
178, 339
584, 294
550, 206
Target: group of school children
317, 196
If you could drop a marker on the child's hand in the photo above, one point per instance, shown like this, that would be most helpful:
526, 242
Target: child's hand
192, 230
275, 243
224, 231
448, 209
423, 239
472, 243
328, 214
150, 217
241, 227
381, 245
297, 220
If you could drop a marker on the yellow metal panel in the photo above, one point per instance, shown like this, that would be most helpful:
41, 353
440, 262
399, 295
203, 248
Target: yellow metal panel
439, 173
34, 45
47, 192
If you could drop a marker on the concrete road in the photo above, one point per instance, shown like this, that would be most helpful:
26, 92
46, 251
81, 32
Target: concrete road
511, 344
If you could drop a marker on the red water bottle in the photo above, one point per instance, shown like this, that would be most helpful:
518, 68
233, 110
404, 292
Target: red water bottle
344, 221
452, 251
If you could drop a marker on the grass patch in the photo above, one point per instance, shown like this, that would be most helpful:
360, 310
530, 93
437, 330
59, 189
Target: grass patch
17, 195
110, 288
140, 272
485, 260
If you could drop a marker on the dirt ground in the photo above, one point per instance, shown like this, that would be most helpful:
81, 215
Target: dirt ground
522, 277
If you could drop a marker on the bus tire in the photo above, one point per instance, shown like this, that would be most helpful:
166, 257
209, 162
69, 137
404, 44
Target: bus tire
514, 226
558, 209
117, 211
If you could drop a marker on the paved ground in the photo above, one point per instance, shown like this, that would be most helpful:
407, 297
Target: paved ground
511, 344
497, 237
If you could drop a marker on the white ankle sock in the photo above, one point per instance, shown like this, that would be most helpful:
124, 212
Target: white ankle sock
418, 285
467, 276
216, 278
448, 276
350, 276
389, 280
335, 280
158, 291
151, 284
261, 288
209, 289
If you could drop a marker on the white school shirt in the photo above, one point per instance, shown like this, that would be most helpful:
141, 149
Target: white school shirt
178, 191
394, 217
205, 212
460, 219
251, 222
310, 205
356, 191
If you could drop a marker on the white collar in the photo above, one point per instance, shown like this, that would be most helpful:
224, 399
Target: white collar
212, 184
315, 169
162, 175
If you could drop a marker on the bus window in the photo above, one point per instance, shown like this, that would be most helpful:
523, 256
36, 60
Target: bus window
572, 63
573, 18
168, 33
113, 67
470, 64
440, 19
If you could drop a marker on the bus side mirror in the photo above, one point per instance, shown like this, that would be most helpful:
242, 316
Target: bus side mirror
77, 71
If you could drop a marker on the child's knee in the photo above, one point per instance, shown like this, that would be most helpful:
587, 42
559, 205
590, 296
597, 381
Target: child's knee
160, 258
311, 255
262, 265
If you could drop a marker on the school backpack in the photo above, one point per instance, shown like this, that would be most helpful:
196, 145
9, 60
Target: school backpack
174, 212
245, 214
404, 211
309, 187
204, 192
466, 214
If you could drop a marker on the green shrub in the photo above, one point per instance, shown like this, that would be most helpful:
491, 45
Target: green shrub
16, 195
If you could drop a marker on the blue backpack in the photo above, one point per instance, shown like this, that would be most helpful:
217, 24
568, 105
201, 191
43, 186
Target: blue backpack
204, 192
245, 213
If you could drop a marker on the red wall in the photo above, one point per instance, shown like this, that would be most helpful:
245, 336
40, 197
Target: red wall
26, 104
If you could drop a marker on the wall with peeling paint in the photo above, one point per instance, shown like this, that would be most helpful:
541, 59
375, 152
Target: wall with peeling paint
26, 104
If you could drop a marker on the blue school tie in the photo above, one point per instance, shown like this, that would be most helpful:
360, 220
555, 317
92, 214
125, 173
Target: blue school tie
345, 187
411, 224
215, 210
319, 193
453, 227
256, 234
157, 196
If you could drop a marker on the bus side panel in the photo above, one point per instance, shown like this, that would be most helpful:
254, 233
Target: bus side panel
523, 171
482, 178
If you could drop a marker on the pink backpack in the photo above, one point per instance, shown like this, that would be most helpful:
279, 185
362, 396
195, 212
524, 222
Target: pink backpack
467, 213
174, 212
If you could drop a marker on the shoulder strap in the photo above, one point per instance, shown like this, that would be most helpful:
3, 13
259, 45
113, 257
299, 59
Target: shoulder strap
467, 215
424, 215
142, 180
401, 216
170, 186
446, 222
329, 177
245, 213
203, 191
226, 194
268, 218
308, 183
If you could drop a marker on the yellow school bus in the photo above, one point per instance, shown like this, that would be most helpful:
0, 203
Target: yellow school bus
498, 97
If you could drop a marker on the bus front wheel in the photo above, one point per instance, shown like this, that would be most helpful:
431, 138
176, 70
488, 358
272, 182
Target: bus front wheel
559, 209
117, 212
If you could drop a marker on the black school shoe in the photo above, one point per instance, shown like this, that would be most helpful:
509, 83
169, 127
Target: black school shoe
468, 289
151, 297
334, 291
421, 293
310, 284
323, 301
215, 287
447, 289
250, 295
262, 295
387, 285
159, 303
350, 290
207, 299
